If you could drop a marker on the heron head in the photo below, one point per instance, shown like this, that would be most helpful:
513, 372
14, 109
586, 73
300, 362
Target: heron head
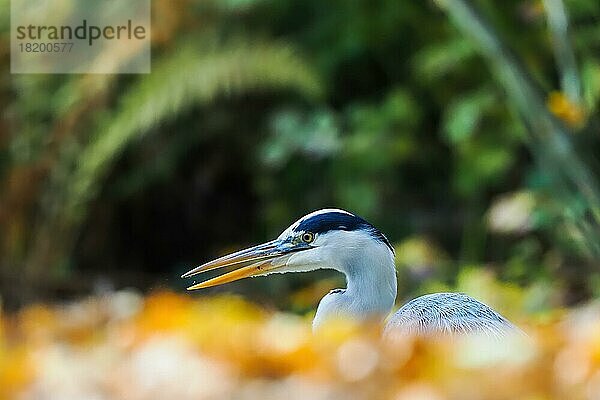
327, 238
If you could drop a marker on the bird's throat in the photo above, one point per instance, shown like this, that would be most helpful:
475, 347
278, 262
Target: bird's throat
370, 293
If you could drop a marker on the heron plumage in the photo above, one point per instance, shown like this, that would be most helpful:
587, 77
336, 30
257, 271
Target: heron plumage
448, 313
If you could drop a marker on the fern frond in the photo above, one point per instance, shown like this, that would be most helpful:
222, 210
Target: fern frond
189, 77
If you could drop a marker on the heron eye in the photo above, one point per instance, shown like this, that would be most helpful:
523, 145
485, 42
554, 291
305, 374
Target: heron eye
308, 237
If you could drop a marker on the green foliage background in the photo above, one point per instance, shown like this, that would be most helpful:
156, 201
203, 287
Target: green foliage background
466, 131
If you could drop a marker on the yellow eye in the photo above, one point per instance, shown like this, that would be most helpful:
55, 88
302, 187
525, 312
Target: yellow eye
308, 237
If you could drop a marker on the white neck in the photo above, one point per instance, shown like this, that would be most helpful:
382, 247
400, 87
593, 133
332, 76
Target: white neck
371, 285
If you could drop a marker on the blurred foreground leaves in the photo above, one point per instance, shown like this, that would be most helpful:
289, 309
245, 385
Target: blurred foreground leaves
124, 346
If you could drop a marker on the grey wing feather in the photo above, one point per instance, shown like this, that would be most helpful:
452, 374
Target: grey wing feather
448, 313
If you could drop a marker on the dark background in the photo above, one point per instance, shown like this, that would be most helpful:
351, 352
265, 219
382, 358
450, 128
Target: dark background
258, 112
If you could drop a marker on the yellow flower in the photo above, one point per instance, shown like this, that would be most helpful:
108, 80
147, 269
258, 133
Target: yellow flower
571, 113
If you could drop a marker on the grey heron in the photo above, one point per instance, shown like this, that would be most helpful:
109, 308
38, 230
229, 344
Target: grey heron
339, 240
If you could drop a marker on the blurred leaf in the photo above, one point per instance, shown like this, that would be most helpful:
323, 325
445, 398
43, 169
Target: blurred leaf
436, 61
563, 108
480, 163
591, 84
316, 135
512, 213
423, 258
464, 114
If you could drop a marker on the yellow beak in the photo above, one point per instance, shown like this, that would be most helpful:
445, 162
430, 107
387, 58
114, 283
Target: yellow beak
253, 261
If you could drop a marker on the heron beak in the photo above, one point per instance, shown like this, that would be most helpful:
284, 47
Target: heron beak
253, 261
